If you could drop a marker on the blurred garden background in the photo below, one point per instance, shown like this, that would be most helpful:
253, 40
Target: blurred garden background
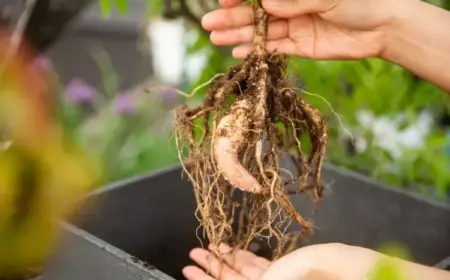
119, 68
384, 121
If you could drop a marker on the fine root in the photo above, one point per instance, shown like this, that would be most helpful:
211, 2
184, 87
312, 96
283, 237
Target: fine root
230, 147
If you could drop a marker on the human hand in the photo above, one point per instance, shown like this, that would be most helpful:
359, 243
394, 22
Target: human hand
242, 265
331, 261
318, 29
324, 262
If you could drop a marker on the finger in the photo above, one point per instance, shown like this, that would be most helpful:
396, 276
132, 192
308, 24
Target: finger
229, 3
228, 18
195, 273
261, 262
211, 264
290, 8
244, 255
277, 30
309, 263
244, 262
283, 46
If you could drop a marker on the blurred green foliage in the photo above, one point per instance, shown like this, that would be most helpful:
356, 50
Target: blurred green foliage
388, 268
389, 94
128, 143
386, 91
121, 6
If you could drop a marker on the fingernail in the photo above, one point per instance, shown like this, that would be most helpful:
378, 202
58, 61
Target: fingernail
206, 20
212, 36
194, 252
188, 272
185, 271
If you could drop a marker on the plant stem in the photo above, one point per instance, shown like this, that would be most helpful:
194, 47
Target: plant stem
261, 23
257, 3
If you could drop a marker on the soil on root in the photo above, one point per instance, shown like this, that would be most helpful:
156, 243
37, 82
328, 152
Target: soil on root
220, 144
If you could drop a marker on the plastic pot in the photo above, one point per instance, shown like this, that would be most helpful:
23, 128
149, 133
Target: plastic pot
151, 218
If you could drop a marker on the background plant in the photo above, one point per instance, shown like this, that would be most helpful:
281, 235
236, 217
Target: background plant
128, 130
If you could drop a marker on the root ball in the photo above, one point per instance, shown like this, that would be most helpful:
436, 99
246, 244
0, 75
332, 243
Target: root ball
230, 154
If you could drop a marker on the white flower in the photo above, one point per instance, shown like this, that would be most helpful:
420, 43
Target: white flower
387, 134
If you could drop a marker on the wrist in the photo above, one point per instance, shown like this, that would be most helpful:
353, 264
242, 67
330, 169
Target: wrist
398, 30
413, 271
418, 40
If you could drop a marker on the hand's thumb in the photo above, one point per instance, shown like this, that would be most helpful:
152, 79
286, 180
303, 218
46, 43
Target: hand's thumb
290, 8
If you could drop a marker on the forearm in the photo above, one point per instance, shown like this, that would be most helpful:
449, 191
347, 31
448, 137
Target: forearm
419, 41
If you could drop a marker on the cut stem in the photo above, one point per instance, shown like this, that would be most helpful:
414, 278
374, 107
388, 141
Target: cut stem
261, 23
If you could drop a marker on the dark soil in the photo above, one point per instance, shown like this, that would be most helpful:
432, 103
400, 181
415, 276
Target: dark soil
144, 263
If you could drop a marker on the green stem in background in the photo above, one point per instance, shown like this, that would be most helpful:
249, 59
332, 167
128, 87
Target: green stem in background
111, 150
109, 76
68, 123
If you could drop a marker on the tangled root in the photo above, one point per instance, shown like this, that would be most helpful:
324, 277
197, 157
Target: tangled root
233, 140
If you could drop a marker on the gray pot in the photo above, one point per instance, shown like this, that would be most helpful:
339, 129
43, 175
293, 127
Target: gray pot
151, 218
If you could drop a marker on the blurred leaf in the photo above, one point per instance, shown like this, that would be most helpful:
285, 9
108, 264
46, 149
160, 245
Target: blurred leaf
201, 43
110, 79
122, 6
150, 152
154, 8
105, 7
388, 268
377, 65
395, 250
436, 141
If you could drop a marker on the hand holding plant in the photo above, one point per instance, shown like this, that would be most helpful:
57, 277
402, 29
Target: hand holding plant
316, 29
331, 261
